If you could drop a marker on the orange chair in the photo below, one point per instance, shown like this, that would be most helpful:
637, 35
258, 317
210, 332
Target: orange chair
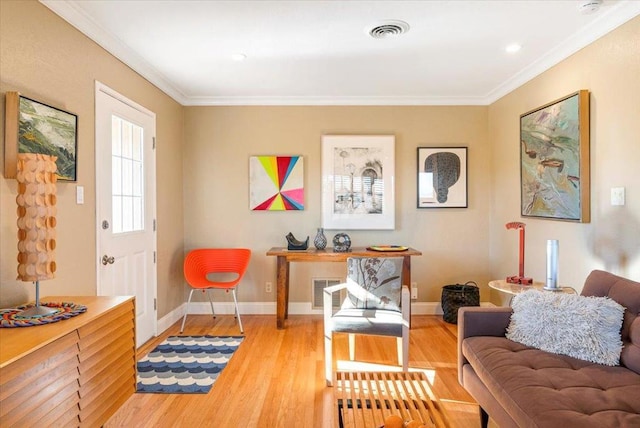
221, 262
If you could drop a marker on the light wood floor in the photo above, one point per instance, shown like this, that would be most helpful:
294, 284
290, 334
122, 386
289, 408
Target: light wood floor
276, 377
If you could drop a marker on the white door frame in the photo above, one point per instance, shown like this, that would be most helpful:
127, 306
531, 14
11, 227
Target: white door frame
100, 87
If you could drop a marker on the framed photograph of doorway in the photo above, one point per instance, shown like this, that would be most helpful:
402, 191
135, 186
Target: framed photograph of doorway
442, 177
358, 177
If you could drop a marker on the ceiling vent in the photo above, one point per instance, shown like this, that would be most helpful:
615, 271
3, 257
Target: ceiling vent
388, 29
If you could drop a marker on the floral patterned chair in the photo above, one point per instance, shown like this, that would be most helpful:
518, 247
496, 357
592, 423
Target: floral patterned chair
376, 303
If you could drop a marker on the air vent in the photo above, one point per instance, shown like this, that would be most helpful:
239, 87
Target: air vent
387, 29
318, 285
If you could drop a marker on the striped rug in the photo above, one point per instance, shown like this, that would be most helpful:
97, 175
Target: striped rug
186, 364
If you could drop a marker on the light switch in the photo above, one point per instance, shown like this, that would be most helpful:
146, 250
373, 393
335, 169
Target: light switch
617, 196
79, 195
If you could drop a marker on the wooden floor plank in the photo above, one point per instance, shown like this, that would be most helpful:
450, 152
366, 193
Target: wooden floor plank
276, 377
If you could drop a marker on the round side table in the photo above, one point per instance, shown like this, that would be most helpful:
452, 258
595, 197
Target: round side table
513, 289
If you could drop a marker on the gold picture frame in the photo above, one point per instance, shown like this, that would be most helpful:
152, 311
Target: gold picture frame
554, 160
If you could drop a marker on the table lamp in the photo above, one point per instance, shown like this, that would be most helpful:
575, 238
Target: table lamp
520, 278
36, 211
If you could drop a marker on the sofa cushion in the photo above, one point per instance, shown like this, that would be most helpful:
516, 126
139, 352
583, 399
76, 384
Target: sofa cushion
581, 327
367, 321
541, 389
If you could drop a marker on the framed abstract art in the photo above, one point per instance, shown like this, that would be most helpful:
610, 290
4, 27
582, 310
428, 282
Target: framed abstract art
554, 160
442, 177
276, 183
34, 127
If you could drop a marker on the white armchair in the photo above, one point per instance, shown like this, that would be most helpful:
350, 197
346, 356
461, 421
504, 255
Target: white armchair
376, 304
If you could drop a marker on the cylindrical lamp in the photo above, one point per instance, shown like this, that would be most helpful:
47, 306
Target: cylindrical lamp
36, 201
552, 265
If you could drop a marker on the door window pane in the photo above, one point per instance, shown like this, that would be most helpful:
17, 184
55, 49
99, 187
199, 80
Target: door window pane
127, 169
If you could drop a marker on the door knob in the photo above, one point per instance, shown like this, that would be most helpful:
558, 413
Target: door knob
108, 260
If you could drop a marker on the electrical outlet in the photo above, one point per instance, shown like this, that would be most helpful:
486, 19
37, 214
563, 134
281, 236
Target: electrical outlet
268, 287
414, 291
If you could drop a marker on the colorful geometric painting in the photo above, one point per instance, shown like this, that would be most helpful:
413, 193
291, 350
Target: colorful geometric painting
276, 183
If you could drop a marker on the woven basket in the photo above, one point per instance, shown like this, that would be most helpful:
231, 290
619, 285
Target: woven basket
457, 295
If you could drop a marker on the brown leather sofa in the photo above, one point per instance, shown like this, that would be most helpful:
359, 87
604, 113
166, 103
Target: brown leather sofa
520, 386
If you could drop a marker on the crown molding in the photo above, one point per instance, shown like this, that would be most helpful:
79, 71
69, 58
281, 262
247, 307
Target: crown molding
334, 101
74, 15
618, 15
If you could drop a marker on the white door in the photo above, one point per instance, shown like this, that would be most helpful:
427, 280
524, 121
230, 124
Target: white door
125, 205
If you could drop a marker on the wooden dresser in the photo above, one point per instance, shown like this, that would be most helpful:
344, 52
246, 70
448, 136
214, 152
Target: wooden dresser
75, 372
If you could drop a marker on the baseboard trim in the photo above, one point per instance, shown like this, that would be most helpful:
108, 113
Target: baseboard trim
269, 308
168, 320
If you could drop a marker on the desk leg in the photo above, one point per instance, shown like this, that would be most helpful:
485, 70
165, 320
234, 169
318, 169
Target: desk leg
282, 290
406, 278
406, 271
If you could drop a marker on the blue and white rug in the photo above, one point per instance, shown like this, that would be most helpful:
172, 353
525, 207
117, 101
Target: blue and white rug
186, 364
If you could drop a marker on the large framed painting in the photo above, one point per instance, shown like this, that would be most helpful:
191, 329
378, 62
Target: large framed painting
276, 183
358, 175
554, 160
35, 127
442, 177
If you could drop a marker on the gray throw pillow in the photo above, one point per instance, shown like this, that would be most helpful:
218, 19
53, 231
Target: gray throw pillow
582, 327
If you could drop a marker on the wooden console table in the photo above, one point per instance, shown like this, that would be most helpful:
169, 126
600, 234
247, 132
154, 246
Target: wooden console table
284, 257
366, 399
75, 372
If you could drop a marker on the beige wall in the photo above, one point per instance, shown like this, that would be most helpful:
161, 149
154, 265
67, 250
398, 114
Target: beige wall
220, 140
610, 69
45, 58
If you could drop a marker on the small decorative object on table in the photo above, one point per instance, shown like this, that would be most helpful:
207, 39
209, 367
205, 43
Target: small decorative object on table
341, 243
520, 278
320, 241
387, 248
59, 311
294, 244
36, 201
552, 266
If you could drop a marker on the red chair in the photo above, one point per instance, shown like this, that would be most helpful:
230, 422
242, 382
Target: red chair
219, 263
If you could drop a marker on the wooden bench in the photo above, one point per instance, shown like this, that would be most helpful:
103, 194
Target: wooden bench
365, 399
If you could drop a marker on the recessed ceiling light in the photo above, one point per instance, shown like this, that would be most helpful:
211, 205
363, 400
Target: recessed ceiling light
238, 57
513, 48
387, 29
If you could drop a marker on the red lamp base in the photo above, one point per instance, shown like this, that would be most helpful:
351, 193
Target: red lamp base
519, 280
